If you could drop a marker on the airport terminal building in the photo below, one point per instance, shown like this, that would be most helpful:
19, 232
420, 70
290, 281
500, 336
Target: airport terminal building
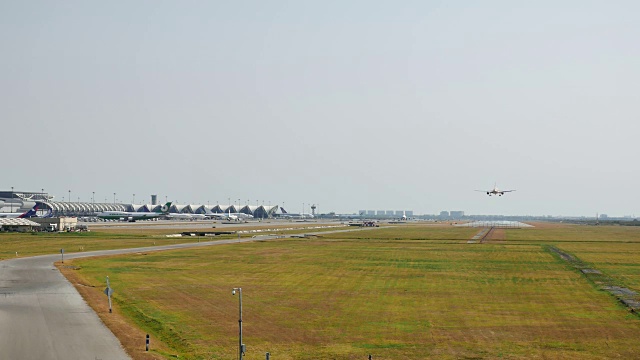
21, 201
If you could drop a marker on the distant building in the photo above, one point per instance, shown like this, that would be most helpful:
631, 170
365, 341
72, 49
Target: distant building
371, 212
604, 216
57, 224
381, 213
457, 214
389, 213
399, 212
409, 213
444, 214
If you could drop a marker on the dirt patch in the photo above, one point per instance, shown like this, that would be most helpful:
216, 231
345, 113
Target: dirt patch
496, 235
131, 338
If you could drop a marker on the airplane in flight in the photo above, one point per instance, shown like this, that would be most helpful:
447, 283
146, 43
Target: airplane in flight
495, 191
229, 216
132, 216
285, 214
28, 214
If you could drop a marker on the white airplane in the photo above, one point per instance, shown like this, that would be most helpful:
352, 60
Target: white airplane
186, 216
495, 191
287, 215
230, 216
29, 213
133, 216
404, 216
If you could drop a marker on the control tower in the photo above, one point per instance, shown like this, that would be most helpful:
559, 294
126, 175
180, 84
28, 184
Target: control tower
313, 209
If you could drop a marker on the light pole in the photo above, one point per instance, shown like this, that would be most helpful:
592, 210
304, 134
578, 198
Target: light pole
93, 197
241, 347
69, 196
114, 198
12, 199
134, 198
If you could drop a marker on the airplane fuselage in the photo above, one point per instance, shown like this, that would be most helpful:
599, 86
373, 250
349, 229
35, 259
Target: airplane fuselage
117, 215
496, 191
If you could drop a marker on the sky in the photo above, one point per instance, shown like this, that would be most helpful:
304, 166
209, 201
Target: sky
350, 105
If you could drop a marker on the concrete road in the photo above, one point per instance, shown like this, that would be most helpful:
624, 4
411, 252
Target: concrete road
42, 316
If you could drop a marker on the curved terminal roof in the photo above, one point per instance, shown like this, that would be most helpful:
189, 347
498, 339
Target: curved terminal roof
59, 208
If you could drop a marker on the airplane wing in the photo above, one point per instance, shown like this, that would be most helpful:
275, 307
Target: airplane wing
504, 191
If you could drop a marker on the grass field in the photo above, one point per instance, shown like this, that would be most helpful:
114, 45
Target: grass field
410, 292
31, 244
27, 244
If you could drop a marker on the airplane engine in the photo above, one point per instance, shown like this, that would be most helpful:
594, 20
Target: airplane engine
489, 193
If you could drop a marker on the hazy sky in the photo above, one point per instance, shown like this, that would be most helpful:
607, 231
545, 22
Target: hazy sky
347, 104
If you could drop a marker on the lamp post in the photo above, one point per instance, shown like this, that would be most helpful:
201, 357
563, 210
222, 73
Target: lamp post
134, 199
69, 199
93, 197
12, 199
114, 198
241, 347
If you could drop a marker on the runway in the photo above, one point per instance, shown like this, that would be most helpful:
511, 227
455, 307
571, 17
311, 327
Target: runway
43, 317
200, 225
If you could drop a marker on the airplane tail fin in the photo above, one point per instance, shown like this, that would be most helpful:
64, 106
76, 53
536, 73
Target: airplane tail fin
49, 214
165, 208
30, 213
283, 210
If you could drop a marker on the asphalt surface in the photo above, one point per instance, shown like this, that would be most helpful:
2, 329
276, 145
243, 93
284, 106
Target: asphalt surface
42, 316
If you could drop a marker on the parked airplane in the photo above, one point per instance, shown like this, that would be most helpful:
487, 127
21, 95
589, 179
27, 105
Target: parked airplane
133, 216
230, 216
186, 216
404, 216
30, 213
285, 214
495, 191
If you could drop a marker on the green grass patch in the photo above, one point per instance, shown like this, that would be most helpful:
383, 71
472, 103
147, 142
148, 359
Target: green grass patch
407, 292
